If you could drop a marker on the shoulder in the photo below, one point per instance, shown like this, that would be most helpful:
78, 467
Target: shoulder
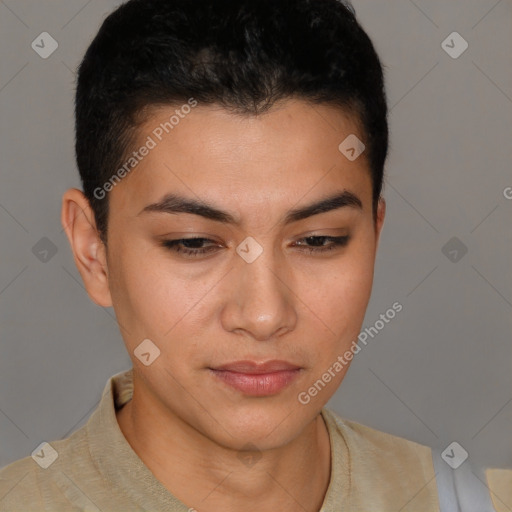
499, 482
26, 484
16, 478
386, 472
376, 442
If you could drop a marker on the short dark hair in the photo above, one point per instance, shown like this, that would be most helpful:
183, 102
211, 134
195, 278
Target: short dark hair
243, 55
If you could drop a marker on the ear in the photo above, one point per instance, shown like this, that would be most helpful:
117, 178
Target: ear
381, 213
89, 252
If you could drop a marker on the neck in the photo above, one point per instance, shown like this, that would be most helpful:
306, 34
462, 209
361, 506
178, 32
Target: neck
202, 474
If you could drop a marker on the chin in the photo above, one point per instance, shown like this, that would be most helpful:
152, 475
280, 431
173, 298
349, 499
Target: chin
267, 428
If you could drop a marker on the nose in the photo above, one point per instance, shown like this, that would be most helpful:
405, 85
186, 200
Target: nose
260, 302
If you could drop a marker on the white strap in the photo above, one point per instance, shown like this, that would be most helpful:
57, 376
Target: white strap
447, 494
462, 489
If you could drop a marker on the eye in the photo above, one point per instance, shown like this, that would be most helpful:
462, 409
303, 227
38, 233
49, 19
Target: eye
190, 246
318, 246
193, 247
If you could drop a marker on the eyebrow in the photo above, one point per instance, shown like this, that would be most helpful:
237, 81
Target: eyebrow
173, 203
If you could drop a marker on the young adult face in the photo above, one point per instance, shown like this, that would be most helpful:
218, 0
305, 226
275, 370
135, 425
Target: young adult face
208, 310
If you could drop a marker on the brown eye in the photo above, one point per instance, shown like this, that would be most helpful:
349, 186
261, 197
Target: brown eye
316, 244
190, 246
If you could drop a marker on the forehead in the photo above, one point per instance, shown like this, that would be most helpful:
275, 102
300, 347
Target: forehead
251, 161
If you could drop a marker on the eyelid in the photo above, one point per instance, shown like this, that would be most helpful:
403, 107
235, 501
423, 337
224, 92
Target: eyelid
191, 235
176, 245
188, 235
334, 232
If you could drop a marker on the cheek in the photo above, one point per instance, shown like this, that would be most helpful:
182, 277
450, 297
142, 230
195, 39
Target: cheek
343, 293
155, 299
148, 298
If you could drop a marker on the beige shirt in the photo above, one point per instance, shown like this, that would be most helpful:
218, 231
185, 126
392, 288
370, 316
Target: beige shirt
499, 482
96, 469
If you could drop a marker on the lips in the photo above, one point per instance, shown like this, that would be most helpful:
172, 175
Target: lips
257, 379
254, 368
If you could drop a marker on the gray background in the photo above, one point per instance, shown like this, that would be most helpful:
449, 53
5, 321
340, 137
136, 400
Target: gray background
439, 372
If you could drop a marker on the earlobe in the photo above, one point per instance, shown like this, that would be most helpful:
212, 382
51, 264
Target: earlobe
89, 252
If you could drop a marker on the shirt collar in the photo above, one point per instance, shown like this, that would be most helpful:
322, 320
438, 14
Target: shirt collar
124, 470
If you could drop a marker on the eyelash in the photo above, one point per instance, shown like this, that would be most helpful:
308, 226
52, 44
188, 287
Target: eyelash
176, 245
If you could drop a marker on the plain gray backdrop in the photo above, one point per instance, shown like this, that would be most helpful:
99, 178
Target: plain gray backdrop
440, 371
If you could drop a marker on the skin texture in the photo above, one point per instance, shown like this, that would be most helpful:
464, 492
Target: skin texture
185, 424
